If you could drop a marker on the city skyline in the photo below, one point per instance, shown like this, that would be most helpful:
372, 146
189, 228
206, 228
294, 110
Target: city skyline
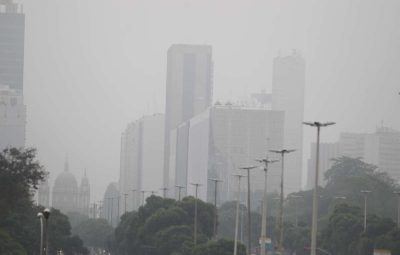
85, 98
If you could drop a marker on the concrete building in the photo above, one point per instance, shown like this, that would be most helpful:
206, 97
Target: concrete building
12, 118
288, 85
12, 33
111, 205
327, 152
67, 196
43, 194
381, 148
142, 158
215, 143
188, 90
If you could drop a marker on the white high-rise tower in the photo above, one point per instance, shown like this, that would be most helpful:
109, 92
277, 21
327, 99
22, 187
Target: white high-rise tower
188, 90
288, 85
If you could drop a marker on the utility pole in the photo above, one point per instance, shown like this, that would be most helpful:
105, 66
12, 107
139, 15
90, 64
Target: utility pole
263, 237
282, 153
125, 195
196, 185
112, 209
237, 213
134, 199
248, 208
164, 190
179, 191
46, 214
41, 217
365, 193
143, 192
314, 226
118, 211
215, 206
398, 207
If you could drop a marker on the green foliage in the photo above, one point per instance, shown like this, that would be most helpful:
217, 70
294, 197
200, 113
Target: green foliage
219, 247
227, 214
60, 235
20, 173
343, 230
94, 232
9, 246
163, 227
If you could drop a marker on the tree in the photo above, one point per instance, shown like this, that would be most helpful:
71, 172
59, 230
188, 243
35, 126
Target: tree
163, 227
94, 232
60, 235
19, 173
9, 246
219, 247
343, 230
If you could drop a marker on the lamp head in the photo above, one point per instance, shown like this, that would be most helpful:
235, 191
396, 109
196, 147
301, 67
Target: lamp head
46, 213
40, 215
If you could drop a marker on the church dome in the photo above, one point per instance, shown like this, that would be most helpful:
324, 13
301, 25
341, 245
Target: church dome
66, 182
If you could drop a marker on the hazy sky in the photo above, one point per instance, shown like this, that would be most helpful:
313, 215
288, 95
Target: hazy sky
92, 66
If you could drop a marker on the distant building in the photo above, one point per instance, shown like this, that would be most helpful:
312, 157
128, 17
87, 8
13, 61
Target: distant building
381, 148
262, 99
217, 142
188, 90
327, 152
142, 158
111, 205
12, 30
12, 118
84, 196
67, 196
288, 85
44, 194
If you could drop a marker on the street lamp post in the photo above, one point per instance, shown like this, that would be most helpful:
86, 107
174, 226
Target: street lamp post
282, 153
237, 214
46, 214
263, 238
365, 193
112, 209
143, 192
318, 125
134, 199
125, 196
179, 191
40, 216
248, 168
216, 181
398, 207
196, 185
164, 190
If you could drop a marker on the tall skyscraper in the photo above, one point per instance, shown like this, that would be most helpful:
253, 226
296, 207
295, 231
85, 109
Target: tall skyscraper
12, 30
142, 158
12, 118
288, 85
215, 143
188, 89
12, 108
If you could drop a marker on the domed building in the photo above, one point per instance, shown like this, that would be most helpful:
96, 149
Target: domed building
67, 197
